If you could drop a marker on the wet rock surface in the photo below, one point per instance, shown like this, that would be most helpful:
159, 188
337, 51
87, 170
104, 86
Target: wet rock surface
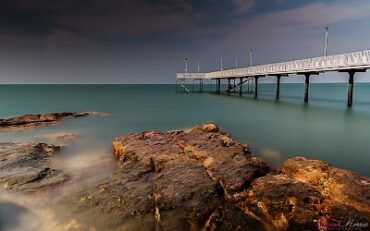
37, 120
198, 179
172, 181
310, 194
25, 167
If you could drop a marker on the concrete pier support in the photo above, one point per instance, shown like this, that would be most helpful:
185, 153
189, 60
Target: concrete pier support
201, 86
218, 85
248, 90
240, 86
306, 86
350, 88
278, 77
256, 86
228, 86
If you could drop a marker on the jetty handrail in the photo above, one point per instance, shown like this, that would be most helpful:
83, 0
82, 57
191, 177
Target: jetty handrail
190, 75
318, 64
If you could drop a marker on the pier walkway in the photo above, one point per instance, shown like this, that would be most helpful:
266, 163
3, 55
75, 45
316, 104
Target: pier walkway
350, 63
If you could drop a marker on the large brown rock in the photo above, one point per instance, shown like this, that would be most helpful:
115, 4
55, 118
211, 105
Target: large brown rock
37, 120
172, 181
310, 194
202, 179
226, 160
25, 167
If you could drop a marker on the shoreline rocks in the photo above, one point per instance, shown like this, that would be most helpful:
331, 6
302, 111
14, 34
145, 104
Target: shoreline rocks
39, 120
202, 179
198, 179
25, 167
310, 194
172, 181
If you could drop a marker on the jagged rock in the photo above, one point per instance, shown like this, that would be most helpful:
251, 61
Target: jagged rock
37, 120
202, 179
172, 181
226, 160
310, 194
26, 167
346, 194
281, 203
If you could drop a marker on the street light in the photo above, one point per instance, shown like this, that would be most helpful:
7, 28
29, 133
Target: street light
221, 64
186, 65
236, 63
198, 66
326, 40
251, 57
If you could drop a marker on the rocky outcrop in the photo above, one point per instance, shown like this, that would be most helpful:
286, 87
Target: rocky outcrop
173, 181
38, 120
202, 179
310, 194
26, 167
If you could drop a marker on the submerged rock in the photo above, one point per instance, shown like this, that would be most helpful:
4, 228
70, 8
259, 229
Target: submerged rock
172, 181
56, 137
26, 167
38, 120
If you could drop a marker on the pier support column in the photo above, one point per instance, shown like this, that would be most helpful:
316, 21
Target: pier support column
248, 90
306, 87
278, 77
350, 88
241, 86
200, 86
256, 86
228, 86
218, 85
351, 73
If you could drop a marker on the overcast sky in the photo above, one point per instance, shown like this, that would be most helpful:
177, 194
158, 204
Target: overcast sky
144, 41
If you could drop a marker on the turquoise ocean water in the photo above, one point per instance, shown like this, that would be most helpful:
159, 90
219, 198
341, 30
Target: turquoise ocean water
323, 129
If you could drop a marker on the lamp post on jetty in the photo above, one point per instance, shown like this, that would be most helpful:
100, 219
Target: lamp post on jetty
186, 65
250, 63
251, 57
326, 40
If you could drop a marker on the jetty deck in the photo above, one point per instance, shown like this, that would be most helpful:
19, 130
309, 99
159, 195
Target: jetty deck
350, 63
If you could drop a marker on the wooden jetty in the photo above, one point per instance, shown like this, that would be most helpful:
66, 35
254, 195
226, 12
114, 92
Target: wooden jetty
350, 63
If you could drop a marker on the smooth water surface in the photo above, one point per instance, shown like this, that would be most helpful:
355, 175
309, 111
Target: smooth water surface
323, 129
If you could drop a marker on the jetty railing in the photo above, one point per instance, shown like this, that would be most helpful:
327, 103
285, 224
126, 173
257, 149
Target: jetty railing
350, 62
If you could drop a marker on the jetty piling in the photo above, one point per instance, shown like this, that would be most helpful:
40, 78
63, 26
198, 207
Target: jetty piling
277, 93
228, 86
256, 86
241, 86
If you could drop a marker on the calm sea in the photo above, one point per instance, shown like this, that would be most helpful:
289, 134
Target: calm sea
323, 129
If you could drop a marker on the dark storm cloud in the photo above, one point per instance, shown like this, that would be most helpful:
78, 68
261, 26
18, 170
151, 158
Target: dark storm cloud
61, 26
115, 38
39, 17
